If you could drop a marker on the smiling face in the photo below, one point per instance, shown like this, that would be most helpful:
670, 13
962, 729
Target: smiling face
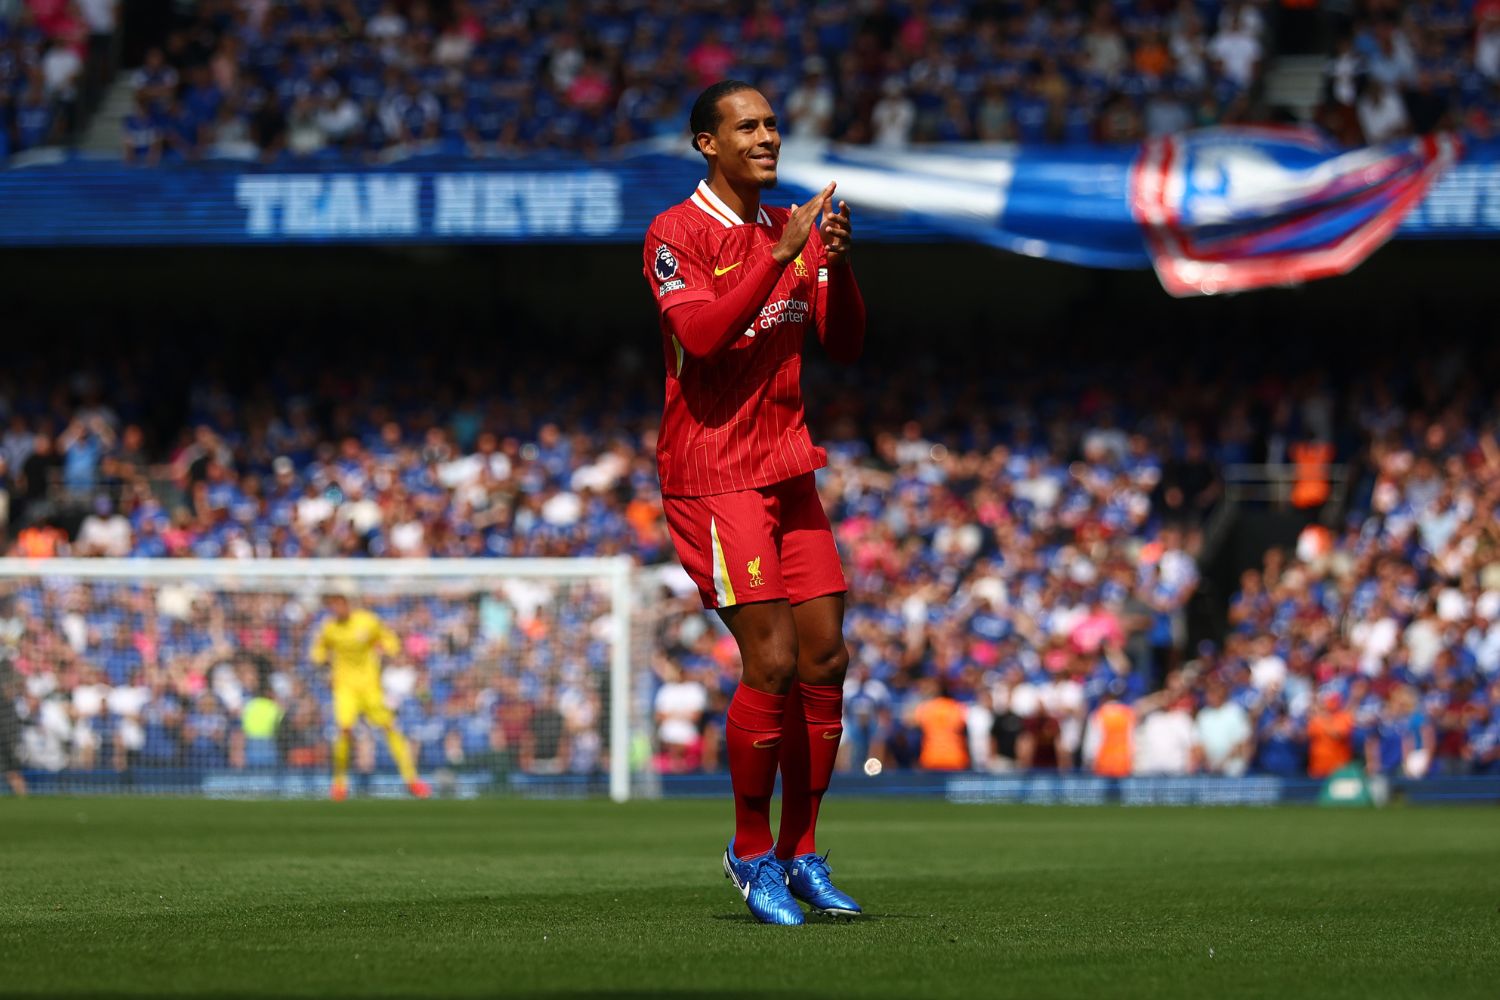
745, 146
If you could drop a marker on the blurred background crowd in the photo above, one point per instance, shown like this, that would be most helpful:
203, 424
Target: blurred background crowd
1028, 541
377, 79
1022, 548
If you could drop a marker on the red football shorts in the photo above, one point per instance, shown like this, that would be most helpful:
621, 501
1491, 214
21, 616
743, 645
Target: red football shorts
757, 545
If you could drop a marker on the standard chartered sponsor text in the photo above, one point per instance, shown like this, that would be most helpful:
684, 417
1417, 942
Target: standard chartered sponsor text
780, 311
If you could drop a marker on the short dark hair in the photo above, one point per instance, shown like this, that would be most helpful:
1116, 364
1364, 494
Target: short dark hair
706, 116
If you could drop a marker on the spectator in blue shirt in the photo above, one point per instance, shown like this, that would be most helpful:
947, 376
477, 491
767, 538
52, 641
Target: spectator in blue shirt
140, 135
205, 732
202, 97
1032, 114
36, 124
156, 80
181, 130
84, 444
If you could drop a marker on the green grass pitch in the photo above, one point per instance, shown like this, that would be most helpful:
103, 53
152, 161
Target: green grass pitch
168, 898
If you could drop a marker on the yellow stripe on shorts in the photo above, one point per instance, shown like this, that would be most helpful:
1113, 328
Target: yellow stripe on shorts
723, 589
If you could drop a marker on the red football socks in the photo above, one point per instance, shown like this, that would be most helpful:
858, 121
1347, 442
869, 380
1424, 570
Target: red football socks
814, 724
754, 738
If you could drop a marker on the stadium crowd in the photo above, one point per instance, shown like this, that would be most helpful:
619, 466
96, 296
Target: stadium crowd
991, 622
1021, 551
375, 78
1411, 68
55, 57
116, 677
382, 79
477, 77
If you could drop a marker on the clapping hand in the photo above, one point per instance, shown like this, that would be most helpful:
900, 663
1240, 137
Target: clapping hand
836, 232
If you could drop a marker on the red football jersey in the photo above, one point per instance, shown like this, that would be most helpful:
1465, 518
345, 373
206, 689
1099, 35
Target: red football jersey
736, 421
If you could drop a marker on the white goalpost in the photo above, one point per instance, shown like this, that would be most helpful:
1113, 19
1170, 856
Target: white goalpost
156, 674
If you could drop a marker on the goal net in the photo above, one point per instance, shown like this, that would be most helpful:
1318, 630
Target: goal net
197, 677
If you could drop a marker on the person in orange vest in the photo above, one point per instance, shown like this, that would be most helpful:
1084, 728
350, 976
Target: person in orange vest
40, 541
1310, 488
1110, 745
1330, 737
944, 724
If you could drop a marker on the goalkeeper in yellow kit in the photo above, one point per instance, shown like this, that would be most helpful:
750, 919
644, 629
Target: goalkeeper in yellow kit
352, 640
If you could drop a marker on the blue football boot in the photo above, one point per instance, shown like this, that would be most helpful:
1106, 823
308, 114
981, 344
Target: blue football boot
763, 884
809, 881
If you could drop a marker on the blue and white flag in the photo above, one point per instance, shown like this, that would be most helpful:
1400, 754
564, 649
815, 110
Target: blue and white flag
1233, 209
1217, 210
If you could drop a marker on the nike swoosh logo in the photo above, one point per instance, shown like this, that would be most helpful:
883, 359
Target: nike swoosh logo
832, 734
725, 270
745, 891
766, 744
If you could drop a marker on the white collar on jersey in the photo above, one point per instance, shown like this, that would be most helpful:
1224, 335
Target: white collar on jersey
713, 206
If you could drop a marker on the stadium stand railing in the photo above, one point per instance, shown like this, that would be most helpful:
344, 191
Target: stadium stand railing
1321, 488
1311, 486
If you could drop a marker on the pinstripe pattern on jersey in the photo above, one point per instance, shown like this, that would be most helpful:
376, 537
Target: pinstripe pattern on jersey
735, 421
